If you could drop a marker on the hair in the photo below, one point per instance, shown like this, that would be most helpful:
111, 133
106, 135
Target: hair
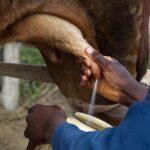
144, 46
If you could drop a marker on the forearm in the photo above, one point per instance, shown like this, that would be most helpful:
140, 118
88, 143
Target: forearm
69, 137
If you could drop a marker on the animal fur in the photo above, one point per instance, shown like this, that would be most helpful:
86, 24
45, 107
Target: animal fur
56, 33
116, 28
119, 28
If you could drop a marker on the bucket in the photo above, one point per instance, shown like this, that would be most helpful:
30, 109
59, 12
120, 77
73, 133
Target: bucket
87, 122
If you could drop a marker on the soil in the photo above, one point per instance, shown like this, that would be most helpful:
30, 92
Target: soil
12, 124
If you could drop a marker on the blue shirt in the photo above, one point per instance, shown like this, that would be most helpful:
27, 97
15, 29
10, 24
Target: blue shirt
133, 133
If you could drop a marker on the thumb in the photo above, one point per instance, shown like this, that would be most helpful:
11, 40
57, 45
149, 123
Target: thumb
98, 58
31, 146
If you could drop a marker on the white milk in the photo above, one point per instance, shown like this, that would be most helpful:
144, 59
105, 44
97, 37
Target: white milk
93, 98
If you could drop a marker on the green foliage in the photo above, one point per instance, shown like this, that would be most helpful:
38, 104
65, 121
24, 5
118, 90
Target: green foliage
31, 55
32, 89
29, 89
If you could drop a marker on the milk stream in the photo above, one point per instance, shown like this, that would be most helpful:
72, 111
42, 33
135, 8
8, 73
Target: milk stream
93, 99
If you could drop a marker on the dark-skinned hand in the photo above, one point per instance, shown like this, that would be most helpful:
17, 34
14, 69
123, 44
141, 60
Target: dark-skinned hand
116, 80
41, 123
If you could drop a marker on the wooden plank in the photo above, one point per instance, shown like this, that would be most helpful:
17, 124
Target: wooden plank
26, 72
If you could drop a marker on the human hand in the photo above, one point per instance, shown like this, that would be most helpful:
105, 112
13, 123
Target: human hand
41, 123
115, 75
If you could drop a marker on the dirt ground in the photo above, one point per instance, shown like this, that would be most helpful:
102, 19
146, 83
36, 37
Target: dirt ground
12, 124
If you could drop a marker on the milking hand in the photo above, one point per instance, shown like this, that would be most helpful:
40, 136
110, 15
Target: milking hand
117, 84
41, 123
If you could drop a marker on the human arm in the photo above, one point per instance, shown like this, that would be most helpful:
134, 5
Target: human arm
115, 75
133, 132
41, 123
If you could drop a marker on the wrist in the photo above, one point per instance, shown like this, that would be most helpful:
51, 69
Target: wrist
141, 92
137, 91
51, 131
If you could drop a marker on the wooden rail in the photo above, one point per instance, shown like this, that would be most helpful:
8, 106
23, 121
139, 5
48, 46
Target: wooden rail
26, 72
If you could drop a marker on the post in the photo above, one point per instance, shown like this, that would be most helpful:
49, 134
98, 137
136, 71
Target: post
10, 86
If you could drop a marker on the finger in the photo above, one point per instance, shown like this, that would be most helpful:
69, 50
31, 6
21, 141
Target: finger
84, 78
88, 72
98, 58
87, 63
83, 69
31, 146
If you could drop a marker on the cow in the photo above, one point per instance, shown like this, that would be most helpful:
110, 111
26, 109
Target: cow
62, 29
